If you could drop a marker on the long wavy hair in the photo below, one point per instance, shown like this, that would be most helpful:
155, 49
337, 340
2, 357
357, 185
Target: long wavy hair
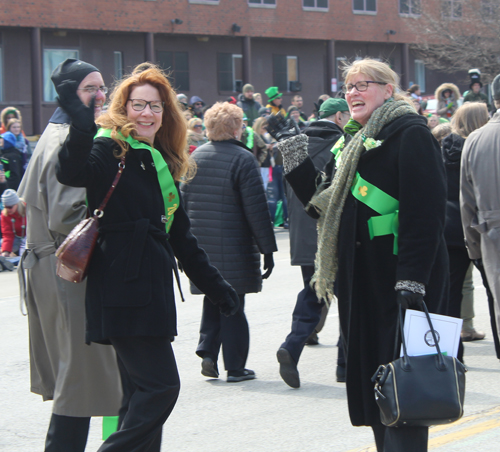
469, 117
171, 138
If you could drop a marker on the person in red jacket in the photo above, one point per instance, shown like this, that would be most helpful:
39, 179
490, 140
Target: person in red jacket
13, 219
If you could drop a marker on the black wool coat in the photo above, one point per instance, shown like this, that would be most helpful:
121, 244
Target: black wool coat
408, 166
130, 287
229, 215
303, 236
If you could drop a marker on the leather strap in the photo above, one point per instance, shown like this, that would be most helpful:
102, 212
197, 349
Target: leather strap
100, 211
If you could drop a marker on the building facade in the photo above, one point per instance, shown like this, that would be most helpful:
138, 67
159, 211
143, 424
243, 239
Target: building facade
210, 47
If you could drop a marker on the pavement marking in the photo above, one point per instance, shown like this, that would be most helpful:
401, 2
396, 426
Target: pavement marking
454, 436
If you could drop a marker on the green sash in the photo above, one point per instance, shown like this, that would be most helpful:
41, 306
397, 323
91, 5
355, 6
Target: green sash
249, 143
165, 179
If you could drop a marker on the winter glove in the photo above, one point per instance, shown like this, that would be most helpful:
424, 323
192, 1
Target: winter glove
268, 265
82, 117
449, 105
410, 300
229, 303
280, 128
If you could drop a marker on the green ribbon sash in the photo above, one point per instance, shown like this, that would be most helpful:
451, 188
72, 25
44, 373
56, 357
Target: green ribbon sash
167, 184
250, 137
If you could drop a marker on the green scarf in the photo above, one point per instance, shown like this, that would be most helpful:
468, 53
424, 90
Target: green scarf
352, 127
330, 202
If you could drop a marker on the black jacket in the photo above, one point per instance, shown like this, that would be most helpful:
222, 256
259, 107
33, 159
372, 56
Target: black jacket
408, 166
12, 160
130, 287
452, 154
303, 236
250, 107
229, 215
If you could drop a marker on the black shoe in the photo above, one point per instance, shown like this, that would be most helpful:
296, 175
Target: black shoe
288, 368
313, 339
209, 368
340, 373
233, 376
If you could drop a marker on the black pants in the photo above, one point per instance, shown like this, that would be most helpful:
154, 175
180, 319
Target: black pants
306, 316
67, 434
401, 439
231, 332
149, 374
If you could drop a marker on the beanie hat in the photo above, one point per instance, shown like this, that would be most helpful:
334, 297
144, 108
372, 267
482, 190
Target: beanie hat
495, 87
273, 93
231, 100
331, 106
264, 111
248, 87
10, 198
182, 98
9, 140
475, 77
71, 69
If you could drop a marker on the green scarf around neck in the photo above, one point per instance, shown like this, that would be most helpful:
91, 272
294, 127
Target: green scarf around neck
330, 202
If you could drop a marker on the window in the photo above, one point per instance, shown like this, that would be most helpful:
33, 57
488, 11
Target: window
230, 72
410, 7
489, 10
452, 9
315, 5
51, 58
177, 66
118, 57
264, 3
420, 74
285, 70
1, 75
205, 2
364, 6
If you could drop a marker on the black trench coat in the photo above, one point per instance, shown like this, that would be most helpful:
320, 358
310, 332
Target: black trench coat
409, 167
130, 288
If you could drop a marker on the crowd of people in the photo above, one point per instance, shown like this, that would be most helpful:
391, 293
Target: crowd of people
202, 188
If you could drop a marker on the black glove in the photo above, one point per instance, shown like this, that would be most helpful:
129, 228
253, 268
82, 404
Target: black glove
229, 303
280, 128
82, 117
410, 300
268, 265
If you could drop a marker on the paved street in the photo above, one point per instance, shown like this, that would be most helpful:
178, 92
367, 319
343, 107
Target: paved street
253, 416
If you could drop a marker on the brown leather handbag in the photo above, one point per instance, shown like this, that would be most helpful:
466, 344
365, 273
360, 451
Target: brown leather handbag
74, 254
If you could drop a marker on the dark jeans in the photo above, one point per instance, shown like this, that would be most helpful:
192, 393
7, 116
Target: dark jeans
401, 439
231, 332
149, 373
67, 434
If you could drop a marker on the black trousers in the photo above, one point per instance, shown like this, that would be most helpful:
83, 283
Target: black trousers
67, 434
151, 381
401, 439
231, 332
306, 316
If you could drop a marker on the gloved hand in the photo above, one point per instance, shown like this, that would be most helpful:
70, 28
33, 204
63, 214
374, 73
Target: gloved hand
229, 303
410, 300
450, 104
268, 265
82, 117
280, 128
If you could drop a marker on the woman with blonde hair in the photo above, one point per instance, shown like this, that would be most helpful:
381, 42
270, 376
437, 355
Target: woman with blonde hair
393, 154
195, 133
130, 296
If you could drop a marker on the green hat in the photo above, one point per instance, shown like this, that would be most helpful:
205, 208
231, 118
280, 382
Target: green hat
245, 117
273, 93
331, 106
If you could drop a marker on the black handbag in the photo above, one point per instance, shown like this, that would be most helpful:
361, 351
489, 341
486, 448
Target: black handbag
420, 391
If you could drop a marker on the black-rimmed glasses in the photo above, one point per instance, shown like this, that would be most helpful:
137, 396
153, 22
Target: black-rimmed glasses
156, 106
94, 89
360, 86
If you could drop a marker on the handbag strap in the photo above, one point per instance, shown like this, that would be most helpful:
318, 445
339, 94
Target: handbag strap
100, 211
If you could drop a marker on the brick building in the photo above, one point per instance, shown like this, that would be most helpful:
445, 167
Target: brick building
212, 47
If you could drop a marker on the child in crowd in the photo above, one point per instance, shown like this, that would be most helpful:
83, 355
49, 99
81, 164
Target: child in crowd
13, 221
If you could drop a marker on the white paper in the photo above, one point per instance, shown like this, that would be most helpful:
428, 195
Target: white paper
418, 335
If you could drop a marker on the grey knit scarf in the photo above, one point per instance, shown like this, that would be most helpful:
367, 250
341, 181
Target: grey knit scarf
330, 202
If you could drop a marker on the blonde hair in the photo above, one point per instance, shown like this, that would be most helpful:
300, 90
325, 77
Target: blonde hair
258, 124
13, 121
376, 71
221, 120
171, 138
469, 117
441, 131
21, 208
194, 121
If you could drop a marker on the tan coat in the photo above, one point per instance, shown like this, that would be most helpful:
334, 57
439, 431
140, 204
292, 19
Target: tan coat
480, 201
82, 380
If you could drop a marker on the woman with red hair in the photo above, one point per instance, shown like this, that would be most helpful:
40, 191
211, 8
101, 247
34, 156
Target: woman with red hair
130, 298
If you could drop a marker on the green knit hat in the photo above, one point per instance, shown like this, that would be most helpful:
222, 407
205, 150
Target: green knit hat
273, 93
331, 106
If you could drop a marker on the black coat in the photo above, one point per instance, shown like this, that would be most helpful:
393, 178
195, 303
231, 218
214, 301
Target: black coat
229, 215
452, 154
303, 236
409, 167
130, 288
13, 162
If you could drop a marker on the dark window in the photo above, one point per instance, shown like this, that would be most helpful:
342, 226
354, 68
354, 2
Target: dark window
364, 5
230, 71
452, 9
285, 70
411, 7
320, 4
176, 64
262, 2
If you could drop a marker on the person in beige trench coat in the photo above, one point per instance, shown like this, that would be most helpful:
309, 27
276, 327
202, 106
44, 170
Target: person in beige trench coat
480, 204
82, 380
